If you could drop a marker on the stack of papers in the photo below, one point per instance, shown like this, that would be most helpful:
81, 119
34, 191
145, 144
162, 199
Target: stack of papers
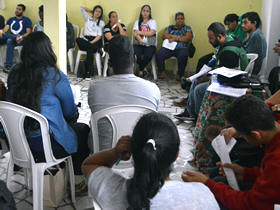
226, 90
229, 73
223, 150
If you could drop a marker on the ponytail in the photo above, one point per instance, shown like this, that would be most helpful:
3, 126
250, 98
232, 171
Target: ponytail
155, 144
148, 179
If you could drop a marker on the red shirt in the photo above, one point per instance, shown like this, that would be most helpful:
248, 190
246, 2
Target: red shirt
266, 189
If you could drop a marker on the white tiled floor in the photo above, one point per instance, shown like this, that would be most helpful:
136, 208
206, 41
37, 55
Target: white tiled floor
170, 91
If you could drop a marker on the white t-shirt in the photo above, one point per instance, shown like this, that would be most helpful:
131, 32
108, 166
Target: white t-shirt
150, 25
91, 27
109, 190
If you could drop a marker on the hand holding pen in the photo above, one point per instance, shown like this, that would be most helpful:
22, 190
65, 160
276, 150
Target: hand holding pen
123, 148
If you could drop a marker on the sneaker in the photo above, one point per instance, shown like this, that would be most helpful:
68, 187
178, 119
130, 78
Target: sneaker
7, 69
181, 103
184, 116
81, 189
178, 78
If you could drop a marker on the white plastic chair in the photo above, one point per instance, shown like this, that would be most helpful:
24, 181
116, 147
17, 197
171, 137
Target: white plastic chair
12, 118
80, 53
3, 55
71, 51
175, 65
252, 57
153, 61
122, 118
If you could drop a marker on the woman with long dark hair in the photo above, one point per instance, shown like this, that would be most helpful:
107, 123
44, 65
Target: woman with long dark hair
154, 146
38, 84
113, 28
93, 31
144, 31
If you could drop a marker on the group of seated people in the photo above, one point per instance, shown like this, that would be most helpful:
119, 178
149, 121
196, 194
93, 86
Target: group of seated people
230, 52
154, 144
16, 29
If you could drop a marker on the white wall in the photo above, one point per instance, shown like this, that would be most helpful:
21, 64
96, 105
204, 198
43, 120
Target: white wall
271, 30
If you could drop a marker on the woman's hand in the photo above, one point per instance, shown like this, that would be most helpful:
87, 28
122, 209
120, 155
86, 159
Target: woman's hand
189, 176
228, 134
123, 147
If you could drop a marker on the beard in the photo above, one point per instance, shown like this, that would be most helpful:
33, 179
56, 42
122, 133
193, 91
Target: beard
215, 44
19, 14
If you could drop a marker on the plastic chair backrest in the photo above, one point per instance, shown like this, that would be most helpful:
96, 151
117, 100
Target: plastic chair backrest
123, 118
12, 118
252, 57
82, 32
76, 29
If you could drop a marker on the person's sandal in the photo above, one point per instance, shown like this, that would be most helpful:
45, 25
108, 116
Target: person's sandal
81, 188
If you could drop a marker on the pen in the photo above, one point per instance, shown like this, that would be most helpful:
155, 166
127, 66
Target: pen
119, 159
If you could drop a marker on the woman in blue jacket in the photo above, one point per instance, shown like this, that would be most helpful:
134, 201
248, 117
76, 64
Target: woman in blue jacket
38, 84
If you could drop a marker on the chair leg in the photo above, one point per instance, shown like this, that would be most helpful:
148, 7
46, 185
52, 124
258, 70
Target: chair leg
71, 60
71, 179
105, 65
77, 62
98, 63
10, 170
38, 187
154, 67
175, 67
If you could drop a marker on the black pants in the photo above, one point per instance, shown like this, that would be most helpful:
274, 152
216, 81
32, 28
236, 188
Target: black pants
203, 60
90, 48
144, 55
82, 131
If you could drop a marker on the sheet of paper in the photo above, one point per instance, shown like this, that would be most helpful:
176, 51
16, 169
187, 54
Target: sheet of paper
229, 73
169, 45
223, 150
226, 90
76, 90
276, 207
204, 70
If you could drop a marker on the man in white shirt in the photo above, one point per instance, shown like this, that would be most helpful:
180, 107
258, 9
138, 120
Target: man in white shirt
123, 88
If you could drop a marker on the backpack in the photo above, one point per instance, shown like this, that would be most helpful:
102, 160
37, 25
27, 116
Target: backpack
70, 35
274, 80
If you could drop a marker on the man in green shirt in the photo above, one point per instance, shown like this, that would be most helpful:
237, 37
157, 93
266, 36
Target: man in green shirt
235, 29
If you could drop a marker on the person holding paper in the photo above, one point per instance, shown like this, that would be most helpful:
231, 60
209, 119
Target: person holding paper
154, 146
144, 32
112, 29
229, 54
254, 121
182, 35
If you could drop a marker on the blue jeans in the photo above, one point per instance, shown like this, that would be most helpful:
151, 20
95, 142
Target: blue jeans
10, 39
195, 97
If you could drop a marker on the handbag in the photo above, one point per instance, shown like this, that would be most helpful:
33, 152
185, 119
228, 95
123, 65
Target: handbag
191, 50
54, 186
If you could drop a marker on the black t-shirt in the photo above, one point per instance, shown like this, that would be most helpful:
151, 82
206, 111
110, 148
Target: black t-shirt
108, 28
2, 22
